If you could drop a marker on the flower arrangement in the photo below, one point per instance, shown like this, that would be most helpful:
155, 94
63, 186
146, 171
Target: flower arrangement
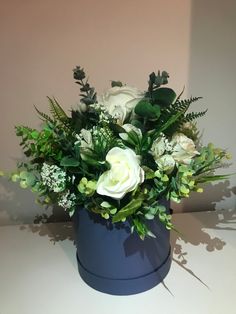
118, 154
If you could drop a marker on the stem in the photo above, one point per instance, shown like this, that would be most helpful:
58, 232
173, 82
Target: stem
118, 201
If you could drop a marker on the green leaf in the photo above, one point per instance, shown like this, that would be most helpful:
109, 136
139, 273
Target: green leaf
113, 211
164, 96
145, 109
146, 143
149, 216
128, 210
157, 110
106, 205
149, 173
167, 124
133, 136
205, 179
23, 175
137, 123
69, 162
35, 134
15, 177
23, 184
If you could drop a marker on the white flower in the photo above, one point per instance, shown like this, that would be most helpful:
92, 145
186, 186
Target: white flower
81, 107
53, 177
67, 201
183, 149
120, 101
123, 177
188, 125
128, 128
86, 142
158, 147
166, 163
87, 138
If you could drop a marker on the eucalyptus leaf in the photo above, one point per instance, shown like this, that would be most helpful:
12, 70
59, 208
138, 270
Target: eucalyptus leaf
149, 216
164, 96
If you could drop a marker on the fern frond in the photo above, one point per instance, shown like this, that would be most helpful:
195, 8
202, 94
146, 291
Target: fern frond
193, 115
58, 113
183, 105
179, 107
44, 116
56, 110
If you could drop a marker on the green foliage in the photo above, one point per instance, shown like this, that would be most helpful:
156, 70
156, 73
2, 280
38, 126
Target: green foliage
179, 110
87, 93
158, 211
57, 112
193, 116
129, 209
146, 110
182, 184
68, 154
44, 116
155, 81
141, 228
163, 96
87, 187
183, 105
69, 161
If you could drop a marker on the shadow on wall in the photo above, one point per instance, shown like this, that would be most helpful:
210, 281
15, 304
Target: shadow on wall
196, 234
15, 209
213, 197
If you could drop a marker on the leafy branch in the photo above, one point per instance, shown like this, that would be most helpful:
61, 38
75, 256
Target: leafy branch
87, 93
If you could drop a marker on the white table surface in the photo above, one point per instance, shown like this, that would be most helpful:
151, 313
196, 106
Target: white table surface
38, 271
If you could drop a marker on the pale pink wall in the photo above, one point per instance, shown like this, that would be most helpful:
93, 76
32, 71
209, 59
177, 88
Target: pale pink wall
41, 42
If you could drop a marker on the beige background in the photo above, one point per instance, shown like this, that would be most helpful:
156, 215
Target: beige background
42, 41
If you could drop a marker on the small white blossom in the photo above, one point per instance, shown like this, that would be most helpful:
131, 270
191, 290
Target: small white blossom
104, 116
168, 146
158, 147
161, 146
67, 200
53, 177
166, 163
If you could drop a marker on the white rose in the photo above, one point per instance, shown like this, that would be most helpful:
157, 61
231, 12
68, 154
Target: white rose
120, 101
183, 149
128, 128
166, 163
123, 177
158, 147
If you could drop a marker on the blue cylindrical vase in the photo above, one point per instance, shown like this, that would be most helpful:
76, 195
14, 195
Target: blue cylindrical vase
113, 260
